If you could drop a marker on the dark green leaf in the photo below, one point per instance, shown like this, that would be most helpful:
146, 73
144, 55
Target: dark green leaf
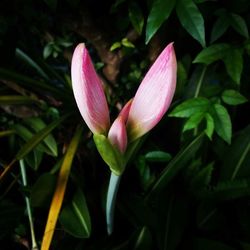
144, 240
191, 19
75, 217
42, 191
190, 107
238, 156
222, 122
159, 13
136, 17
233, 61
37, 138
157, 156
239, 25
16, 100
212, 53
175, 165
233, 97
220, 27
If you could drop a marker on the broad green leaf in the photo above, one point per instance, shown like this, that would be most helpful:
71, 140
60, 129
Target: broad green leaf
222, 122
157, 156
42, 191
58, 196
109, 154
236, 164
239, 25
16, 100
38, 124
233, 97
210, 125
191, 107
212, 53
37, 138
160, 11
233, 61
220, 27
26, 135
75, 217
194, 121
175, 165
34, 158
136, 17
191, 19
144, 240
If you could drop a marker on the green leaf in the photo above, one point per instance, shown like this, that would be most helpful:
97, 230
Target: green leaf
34, 158
115, 46
222, 122
191, 107
37, 138
26, 135
38, 124
47, 51
157, 156
191, 19
136, 17
175, 165
236, 164
212, 53
206, 244
144, 240
75, 217
210, 126
202, 178
228, 190
233, 61
159, 13
42, 191
126, 43
220, 27
233, 97
193, 121
239, 25
16, 100
109, 154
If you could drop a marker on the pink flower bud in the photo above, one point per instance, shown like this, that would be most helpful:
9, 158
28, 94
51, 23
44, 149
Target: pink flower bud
154, 95
88, 92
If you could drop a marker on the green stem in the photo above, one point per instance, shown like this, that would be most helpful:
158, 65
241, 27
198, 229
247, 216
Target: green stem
27, 200
114, 183
198, 88
197, 91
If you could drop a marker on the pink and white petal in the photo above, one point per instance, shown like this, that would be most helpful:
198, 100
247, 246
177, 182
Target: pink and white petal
117, 134
88, 92
154, 95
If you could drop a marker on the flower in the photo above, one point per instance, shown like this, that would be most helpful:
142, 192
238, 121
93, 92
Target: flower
139, 115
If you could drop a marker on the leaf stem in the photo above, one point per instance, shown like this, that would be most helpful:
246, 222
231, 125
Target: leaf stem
114, 183
198, 88
27, 201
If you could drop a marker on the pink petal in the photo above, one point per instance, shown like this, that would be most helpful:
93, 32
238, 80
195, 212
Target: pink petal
117, 134
154, 95
125, 110
88, 92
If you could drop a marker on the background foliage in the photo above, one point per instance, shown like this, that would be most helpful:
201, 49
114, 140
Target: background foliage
189, 185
